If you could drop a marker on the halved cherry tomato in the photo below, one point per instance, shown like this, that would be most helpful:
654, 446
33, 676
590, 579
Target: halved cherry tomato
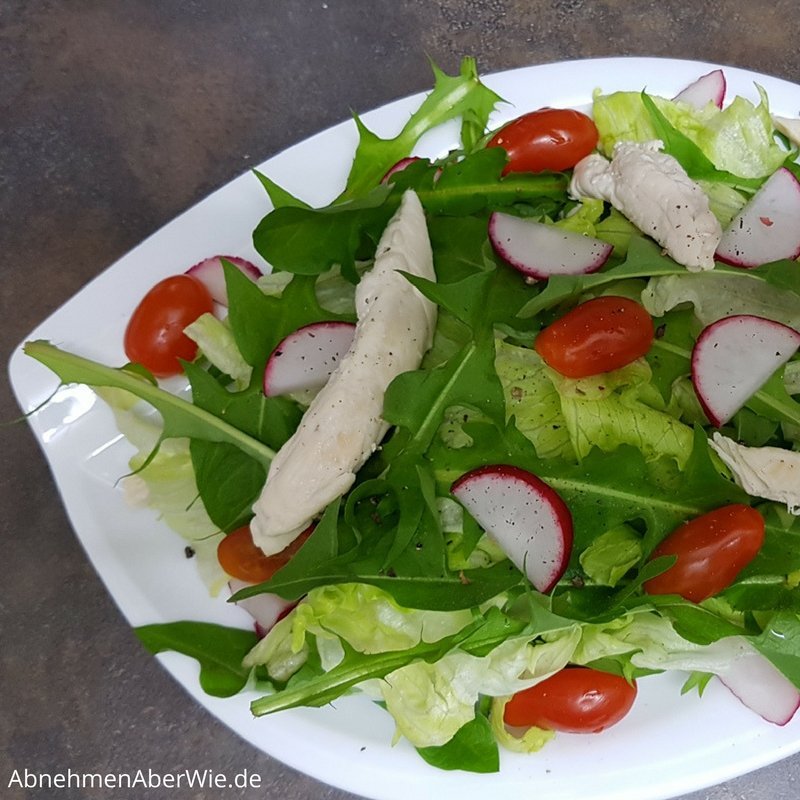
154, 336
597, 336
711, 549
548, 139
574, 700
240, 558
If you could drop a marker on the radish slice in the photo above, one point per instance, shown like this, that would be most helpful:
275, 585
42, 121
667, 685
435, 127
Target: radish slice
539, 251
768, 227
210, 272
709, 88
524, 515
266, 609
399, 167
306, 358
734, 357
759, 684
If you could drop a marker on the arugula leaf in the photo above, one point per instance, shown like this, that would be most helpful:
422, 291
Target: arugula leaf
693, 622
229, 482
482, 635
605, 489
418, 400
309, 241
773, 402
644, 260
260, 321
452, 96
277, 194
440, 593
458, 245
472, 749
219, 650
180, 417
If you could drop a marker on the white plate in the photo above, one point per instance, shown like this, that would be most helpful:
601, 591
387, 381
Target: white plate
669, 744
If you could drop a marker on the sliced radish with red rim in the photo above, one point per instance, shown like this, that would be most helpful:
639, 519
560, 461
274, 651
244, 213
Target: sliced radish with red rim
399, 167
708, 88
758, 683
306, 357
768, 227
266, 609
525, 516
210, 272
538, 250
734, 357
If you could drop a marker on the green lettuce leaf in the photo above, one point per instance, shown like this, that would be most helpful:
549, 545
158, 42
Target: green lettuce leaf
217, 343
564, 417
431, 701
611, 555
533, 401
771, 291
737, 139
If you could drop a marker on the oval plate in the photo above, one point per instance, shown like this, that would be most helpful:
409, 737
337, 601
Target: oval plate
668, 745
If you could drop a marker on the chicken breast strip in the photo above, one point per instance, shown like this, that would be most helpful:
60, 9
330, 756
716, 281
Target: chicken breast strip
768, 472
654, 192
343, 425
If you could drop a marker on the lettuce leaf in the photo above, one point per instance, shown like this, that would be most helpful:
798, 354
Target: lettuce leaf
564, 417
718, 293
533, 401
430, 702
217, 343
737, 139
611, 555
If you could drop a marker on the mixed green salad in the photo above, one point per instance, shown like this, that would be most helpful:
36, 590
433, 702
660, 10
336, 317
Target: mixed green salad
398, 591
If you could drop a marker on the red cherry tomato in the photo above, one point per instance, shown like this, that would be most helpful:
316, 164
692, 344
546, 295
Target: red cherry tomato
574, 700
548, 139
240, 558
154, 336
711, 550
595, 337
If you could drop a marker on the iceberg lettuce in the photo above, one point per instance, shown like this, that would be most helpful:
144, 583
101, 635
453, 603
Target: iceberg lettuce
611, 555
430, 702
737, 139
567, 417
216, 342
166, 482
716, 294
533, 401
365, 617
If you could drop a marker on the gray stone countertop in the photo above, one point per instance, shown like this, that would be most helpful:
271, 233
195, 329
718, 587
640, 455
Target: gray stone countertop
117, 116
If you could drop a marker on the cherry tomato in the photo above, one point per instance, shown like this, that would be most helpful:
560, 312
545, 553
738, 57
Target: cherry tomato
154, 336
711, 550
240, 558
548, 139
597, 336
574, 700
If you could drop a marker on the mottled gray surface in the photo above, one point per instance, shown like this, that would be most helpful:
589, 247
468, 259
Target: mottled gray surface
114, 117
